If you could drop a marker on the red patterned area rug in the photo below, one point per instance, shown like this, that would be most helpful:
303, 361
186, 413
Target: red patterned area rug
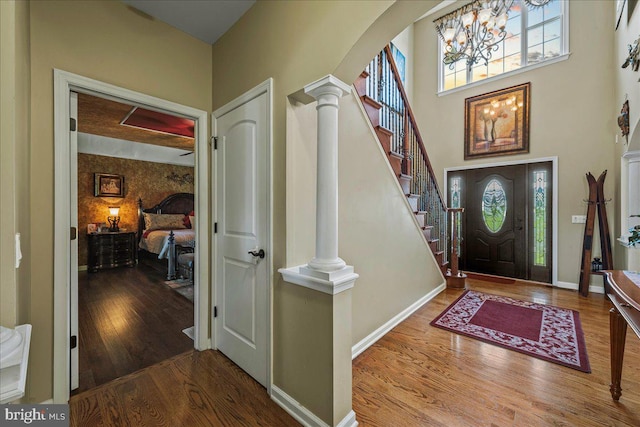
542, 331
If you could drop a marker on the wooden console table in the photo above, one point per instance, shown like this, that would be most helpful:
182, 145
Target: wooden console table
625, 297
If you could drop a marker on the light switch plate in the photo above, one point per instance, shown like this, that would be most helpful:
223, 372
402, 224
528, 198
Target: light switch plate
578, 219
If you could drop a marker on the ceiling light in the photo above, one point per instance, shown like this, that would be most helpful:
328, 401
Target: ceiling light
474, 31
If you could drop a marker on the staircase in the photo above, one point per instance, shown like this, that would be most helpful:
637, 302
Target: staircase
386, 104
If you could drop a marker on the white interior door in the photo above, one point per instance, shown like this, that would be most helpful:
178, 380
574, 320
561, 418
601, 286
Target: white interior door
242, 217
73, 258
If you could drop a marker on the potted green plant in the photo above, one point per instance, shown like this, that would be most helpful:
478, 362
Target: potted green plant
634, 237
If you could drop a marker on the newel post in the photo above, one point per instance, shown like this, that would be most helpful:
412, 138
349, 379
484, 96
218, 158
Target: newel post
455, 278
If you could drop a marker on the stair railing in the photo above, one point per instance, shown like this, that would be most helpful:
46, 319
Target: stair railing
385, 86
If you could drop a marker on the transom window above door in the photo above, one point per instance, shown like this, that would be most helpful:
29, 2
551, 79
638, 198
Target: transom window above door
525, 36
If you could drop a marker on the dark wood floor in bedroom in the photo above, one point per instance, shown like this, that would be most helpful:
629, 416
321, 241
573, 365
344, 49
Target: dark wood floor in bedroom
128, 320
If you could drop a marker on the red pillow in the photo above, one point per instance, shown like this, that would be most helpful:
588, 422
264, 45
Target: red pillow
186, 221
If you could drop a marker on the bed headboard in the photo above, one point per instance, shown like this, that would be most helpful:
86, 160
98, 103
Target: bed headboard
178, 203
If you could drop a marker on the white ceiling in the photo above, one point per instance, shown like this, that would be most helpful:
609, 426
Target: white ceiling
206, 20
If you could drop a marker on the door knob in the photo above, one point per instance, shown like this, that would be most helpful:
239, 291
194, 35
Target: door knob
259, 254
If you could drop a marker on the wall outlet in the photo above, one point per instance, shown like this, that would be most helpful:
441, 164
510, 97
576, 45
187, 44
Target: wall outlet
578, 219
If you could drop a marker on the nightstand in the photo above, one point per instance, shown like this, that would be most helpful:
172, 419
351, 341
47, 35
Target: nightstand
110, 250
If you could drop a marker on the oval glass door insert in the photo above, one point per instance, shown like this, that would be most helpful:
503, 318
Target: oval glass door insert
494, 206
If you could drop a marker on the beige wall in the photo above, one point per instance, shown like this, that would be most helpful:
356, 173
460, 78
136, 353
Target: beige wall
377, 230
8, 287
296, 43
109, 42
571, 117
626, 88
626, 80
14, 152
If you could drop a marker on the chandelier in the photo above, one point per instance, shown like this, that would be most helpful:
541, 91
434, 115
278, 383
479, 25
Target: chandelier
474, 31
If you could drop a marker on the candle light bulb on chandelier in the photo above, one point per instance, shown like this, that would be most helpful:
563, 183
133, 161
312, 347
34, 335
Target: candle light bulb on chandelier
449, 34
502, 20
468, 18
484, 15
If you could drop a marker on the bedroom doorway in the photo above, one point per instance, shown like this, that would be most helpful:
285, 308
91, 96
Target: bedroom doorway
135, 307
65, 271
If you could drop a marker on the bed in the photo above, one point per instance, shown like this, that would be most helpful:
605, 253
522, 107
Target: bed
163, 227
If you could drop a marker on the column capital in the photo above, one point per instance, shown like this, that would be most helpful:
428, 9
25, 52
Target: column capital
329, 84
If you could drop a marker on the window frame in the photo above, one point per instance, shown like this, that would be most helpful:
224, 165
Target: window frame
564, 44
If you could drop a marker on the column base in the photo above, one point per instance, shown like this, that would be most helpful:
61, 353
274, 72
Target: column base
320, 264
331, 282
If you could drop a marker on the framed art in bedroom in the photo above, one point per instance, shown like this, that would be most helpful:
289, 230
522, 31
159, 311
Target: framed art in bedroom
108, 185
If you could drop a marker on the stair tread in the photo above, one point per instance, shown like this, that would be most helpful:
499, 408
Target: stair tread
369, 100
396, 154
404, 176
412, 196
384, 130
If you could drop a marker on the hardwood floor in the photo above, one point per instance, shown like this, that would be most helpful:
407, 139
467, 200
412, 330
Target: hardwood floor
193, 389
128, 320
416, 375
419, 375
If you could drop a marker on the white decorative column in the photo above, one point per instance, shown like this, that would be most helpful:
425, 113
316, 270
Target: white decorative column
630, 206
327, 92
329, 309
326, 272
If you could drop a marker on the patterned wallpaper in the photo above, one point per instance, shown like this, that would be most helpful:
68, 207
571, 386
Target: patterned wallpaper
147, 180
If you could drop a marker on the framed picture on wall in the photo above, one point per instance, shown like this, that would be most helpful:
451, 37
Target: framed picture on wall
400, 61
108, 185
497, 123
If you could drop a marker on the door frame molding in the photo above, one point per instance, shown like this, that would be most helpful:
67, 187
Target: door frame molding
262, 88
554, 198
64, 83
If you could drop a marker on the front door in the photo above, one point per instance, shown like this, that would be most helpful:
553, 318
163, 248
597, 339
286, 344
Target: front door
506, 226
495, 211
242, 237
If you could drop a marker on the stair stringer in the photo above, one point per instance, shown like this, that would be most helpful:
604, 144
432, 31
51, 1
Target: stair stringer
396, 251
372, 110
396, 180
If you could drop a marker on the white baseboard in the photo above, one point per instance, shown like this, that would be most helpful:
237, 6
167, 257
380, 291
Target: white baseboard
295, 409
374, 336
598, 289
82, 268
349, 420
47, 402
302, 414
